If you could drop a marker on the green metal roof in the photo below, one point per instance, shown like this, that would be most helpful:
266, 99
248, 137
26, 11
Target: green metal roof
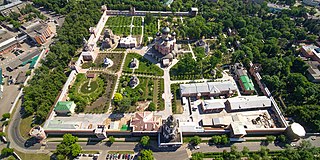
63, 106
124, 127
247, 83
33, 62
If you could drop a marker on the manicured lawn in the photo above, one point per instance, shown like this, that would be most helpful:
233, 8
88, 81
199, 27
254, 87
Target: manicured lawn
88, 89
117, 59
36, 156
145, 66
25, 127
80, 94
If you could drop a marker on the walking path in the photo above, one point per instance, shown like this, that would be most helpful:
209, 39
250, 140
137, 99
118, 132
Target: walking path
142, 32
131, 25
193, 56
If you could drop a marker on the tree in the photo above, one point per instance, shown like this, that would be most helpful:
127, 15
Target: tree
224, 139
144, 141
282, 138
148, 18
117, 97
112, 139
6, 116
75, 149
152, 106
216, 139
5, 152
195, 140
125, 104
68, 147
11, 158
245, 151
2, 134
299, 66
197, 156
270, 139
146, 155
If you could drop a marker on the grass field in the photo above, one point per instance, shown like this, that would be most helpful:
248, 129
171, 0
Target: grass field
145, 66
36, 156
85, 88
25, 127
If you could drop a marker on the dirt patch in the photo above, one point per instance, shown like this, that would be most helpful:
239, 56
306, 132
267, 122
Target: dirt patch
142, 105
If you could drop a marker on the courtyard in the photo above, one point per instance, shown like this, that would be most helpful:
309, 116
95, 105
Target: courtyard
92, 94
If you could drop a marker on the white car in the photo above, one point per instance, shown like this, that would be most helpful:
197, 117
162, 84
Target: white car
196, 147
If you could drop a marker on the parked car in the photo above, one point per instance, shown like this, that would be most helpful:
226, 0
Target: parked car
196, 147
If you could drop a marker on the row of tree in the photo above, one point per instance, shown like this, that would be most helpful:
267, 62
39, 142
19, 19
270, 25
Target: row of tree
49, 78
304, 151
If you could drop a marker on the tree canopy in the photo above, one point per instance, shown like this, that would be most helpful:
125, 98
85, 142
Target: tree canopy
68, 147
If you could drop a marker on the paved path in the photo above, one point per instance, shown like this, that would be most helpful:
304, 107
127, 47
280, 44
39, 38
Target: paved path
142, 31
131, 26
190, 48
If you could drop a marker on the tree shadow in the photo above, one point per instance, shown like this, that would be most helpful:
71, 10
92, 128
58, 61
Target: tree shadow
108, 143
31, 142
264, 143
94, 141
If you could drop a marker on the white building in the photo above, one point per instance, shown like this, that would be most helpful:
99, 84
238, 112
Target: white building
128, 42
247, 103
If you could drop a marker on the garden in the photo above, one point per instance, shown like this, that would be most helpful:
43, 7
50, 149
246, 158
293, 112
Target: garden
176, 100
145, 66
120, 25
148, 89
119, 21
94, 97
120, 30
150, 26
117, 59
189, 69
137, 21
